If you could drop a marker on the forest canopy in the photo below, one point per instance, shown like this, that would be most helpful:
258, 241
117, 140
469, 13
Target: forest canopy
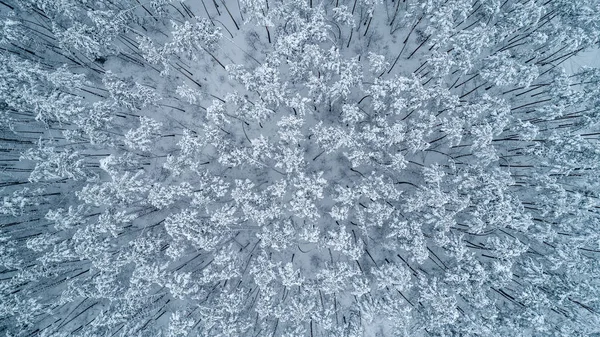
335, 168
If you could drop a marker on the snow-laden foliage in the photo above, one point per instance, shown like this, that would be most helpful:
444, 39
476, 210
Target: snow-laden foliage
299, 168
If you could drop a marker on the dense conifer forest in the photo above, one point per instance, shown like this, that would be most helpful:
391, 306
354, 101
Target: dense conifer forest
333, 168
